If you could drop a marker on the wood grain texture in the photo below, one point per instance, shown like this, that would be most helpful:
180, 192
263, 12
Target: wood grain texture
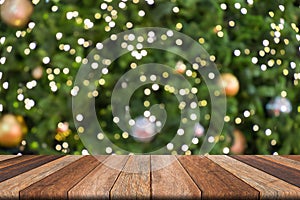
283, 172
133, 185
98, 183
188, 177
15, 160
14, 185
57, 185
14, 170
171, 181
283, 161
206, 173
5, 157
292, 157
269, 186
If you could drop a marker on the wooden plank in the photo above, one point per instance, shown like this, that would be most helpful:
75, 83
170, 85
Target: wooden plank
14, 185
98, 183
282, 160
269, 186
171, 181
133, 185
214, 181
292, 157
14, 170
5, 157
16, 160
283, 172
56, 185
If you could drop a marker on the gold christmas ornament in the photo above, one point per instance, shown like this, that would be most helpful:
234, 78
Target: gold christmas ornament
230, 84
239, 143
16, 12
11, 132
37, 72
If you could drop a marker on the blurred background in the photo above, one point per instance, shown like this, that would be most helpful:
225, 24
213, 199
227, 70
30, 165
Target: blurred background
255, 44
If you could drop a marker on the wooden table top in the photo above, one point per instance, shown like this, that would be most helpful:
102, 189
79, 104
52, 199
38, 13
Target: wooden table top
187, 177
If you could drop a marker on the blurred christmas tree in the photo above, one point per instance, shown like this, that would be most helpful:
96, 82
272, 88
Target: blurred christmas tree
255, 40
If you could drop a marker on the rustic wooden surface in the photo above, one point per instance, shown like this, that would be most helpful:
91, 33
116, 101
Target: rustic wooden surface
225, 185
103, 176
187, 177
13, 186
133, 185
167, 183
5, 157
269, 187
288, 174
292, 157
